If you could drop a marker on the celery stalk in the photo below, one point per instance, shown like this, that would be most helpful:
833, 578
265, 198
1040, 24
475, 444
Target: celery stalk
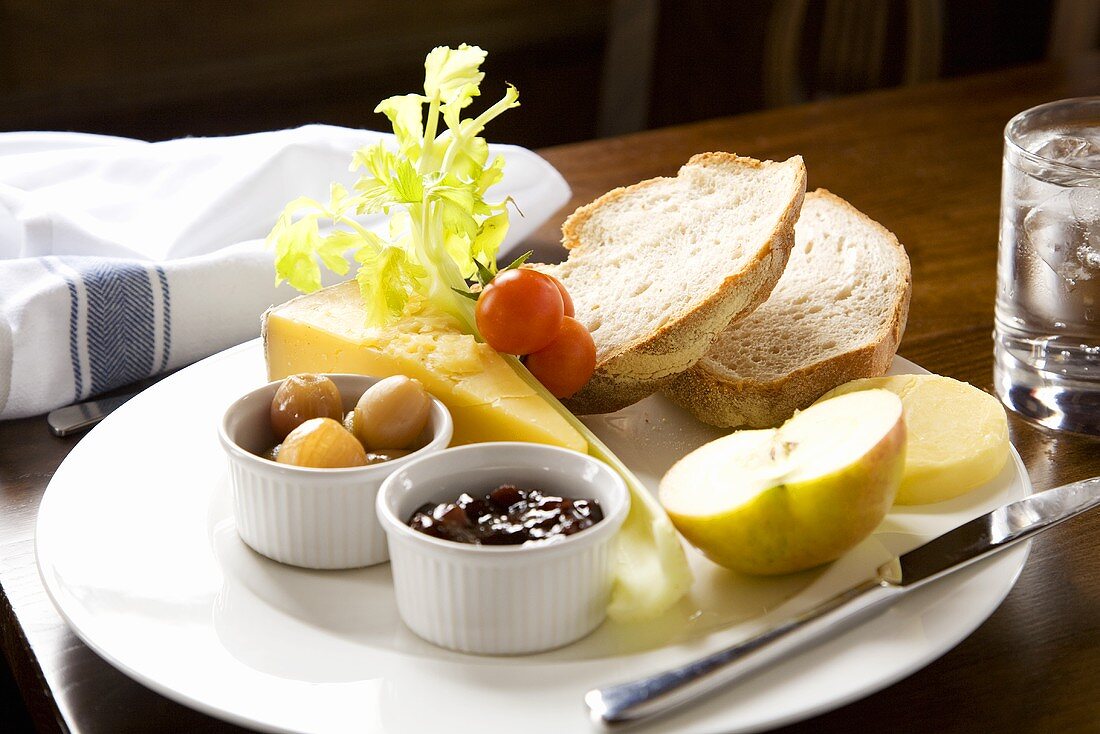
652, 572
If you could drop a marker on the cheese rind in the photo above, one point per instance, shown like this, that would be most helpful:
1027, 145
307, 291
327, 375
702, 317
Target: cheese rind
327, 332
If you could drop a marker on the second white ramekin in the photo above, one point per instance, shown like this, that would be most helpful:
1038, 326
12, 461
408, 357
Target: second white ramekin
502, 600
314, 518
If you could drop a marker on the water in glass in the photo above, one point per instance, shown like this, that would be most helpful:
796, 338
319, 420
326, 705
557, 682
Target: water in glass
1047, 333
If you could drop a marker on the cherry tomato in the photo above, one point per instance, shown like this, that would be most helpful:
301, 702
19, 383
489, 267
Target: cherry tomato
566, 299
566, 363
519, 312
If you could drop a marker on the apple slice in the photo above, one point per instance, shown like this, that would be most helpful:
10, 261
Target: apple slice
785, 499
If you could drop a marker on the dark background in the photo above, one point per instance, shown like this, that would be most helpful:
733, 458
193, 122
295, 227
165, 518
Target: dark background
158, 70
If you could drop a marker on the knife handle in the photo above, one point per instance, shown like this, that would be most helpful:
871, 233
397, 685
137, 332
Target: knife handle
615, 707
82, 416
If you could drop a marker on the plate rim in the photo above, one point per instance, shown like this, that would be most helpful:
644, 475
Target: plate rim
945, 644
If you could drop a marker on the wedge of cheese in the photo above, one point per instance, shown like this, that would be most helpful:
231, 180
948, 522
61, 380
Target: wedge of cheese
326, 331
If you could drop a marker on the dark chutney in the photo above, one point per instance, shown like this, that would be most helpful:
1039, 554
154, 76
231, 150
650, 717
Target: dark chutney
507, 515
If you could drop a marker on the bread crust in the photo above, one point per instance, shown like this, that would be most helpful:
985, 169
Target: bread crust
643, 366
715, 396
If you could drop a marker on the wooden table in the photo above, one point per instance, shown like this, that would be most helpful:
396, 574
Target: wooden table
925, 161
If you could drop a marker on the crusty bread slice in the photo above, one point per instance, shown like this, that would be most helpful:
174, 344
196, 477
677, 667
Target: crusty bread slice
837, 314
656, 270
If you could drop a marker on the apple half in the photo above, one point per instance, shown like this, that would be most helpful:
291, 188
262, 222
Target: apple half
785, 499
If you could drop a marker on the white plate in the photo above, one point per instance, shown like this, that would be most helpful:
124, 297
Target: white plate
136, 546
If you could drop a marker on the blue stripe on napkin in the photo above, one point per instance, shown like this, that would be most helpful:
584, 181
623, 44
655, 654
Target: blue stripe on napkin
166, 304
74, 336
120, 321
114, 298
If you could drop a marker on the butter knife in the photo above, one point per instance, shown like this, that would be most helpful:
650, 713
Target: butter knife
82, 416
617, 706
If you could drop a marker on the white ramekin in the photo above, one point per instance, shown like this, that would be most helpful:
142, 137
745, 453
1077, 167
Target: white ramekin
315, 518
502, 600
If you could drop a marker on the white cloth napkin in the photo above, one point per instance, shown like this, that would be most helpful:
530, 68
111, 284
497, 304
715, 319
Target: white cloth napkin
120, 259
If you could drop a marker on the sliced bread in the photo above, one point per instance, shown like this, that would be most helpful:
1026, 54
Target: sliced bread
837, 314
658, 269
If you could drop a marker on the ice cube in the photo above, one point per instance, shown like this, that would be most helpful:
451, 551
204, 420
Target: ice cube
1082, 151
1065, 232
1089, 256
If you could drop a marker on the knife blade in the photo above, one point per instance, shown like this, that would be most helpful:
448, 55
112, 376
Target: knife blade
618, 706
998, 529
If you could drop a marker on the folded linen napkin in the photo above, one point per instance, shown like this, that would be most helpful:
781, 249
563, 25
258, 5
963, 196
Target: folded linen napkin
120, 259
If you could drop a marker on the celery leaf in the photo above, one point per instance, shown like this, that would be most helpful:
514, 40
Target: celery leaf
386, 276
430, 181
453, 75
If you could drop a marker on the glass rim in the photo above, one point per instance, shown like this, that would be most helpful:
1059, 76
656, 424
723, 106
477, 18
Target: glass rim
1036, 158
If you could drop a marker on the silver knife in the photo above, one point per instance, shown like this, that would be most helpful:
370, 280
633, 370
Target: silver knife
617, 706
82, 416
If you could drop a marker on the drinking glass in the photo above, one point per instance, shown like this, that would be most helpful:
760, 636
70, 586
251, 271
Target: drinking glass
1047, 328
